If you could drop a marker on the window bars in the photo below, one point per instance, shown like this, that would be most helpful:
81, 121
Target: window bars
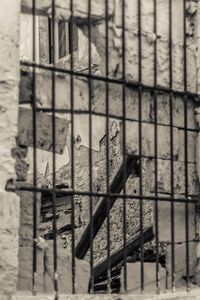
134, 164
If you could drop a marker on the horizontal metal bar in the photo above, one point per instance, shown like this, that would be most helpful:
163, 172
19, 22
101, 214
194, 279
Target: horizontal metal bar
128, 83
191, 199
99, 114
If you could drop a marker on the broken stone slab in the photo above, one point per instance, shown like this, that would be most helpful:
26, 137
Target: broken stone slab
26, 214
43, 90
134, 278
115, 99
180, 262
163, 111
164, 177
63, 10
164, 221
45, 272
44, 132
148, 139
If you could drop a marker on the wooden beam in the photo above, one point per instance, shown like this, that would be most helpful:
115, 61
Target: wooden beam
132, 245
128, 167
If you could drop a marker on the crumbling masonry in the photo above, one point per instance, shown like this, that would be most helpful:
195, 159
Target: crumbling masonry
20, 266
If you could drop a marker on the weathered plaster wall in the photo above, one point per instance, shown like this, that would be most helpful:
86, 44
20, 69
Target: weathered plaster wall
9, 202
81, 98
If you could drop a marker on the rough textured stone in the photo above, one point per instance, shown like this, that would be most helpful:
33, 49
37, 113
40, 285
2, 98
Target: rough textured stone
44, 132
45, 270
134, 275
148, 139
9, 79
43, 91
191, 148
63, 10
164, 221
164, 177
81, 181
9, 211
26, 215
8, 260
180, 260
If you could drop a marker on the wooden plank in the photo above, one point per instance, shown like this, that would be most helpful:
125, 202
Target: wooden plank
60, 201
132, 245
130, 166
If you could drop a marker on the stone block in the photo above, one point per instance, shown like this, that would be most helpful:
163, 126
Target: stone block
115, 101
44, 130
191, 146
134, 275
164, 221
163, 111
148, 139
43, 90
63, 11
9, 210
26, 216
180, 261
8, 260
164, 177
45, 273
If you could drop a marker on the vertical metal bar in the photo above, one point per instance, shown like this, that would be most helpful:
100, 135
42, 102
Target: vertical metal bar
140, 141
124, 138
53, 157
171, 147
107, 145
34, 124
50, 39
90, 146
71, 45
156, 151
186, 143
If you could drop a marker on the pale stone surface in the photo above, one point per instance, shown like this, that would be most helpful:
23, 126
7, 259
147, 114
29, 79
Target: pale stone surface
44, 132
191, 146
134, 275
9, 238
45, 272
180, 260
9, 211
164, 221
26, 215
63, 10
9, 78
9, 203
148, 38
164, 177
148, 139
43, 90
180, 294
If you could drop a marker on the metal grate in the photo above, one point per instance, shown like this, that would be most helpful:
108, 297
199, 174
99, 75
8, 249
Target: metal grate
105, 276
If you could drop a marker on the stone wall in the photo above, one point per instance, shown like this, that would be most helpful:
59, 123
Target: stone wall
81, 122
9, 202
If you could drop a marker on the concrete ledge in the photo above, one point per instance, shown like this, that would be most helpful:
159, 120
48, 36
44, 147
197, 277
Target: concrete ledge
193, 295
